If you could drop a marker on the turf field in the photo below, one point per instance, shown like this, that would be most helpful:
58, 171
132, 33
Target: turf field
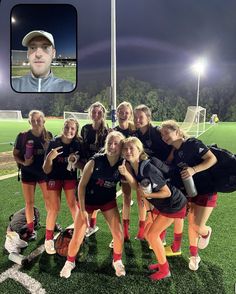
67, 73
94, 274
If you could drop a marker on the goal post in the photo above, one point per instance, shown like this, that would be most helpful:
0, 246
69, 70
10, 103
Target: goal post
194, 123
76, 115
11, 114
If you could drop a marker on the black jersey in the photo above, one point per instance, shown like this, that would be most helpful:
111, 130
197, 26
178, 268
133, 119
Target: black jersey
127, 132
59, 168
190, 154
153, 144
35, 170
101, 187
92, 144
172, 204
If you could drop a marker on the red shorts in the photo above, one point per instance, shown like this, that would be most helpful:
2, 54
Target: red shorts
33, 183
179, 214
206, 200
57, 185
103, 207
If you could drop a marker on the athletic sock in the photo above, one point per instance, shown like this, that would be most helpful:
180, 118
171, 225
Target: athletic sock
30, 227
193, 250
163, 235
126, 228
141, 229
177, 242
164, 268
117, 256
93, 222
49, 234
71, 258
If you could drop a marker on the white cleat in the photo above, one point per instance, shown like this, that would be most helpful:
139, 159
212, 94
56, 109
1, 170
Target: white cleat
119, 268
49, 247
203, 242
66, 270
194, 262
90, 231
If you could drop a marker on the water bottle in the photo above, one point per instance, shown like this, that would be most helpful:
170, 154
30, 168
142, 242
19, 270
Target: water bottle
190, 187
17, 258
29, 149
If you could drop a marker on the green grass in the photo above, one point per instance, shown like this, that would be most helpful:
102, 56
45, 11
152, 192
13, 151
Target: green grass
67, 73
93, 274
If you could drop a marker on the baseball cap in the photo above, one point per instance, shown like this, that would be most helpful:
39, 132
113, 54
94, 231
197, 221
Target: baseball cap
37, 33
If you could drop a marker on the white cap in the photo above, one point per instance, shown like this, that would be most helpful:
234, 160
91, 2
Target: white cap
27, 38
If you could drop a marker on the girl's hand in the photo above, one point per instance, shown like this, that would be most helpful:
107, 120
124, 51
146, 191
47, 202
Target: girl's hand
122, 168
28, 161
55, 152
187, 172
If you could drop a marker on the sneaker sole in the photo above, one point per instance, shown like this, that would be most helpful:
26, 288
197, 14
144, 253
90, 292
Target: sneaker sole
93, 232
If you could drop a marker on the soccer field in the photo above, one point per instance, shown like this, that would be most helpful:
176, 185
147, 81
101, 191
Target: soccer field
93, 273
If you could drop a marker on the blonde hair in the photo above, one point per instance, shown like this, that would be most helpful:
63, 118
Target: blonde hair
134, 140
144, 108
46, 134
172, 125
131, 119
111, 135
75, 121
101, 131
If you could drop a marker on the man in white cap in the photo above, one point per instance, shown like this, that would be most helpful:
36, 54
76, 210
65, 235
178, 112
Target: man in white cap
41, 51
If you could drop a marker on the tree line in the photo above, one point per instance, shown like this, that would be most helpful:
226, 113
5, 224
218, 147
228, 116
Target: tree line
164, 103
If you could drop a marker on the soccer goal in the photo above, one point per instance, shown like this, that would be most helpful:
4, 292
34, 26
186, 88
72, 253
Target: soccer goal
194, 123
76, 115
10, 114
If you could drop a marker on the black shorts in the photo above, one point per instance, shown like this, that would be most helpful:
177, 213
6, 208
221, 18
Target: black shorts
27, 176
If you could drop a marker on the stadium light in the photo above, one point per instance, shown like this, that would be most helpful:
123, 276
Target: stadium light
199, 67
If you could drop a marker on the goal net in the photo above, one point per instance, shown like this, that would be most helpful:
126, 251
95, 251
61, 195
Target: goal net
194, 123
10, 114
76, 115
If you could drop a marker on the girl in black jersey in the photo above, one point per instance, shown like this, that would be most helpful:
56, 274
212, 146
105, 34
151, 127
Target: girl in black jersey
196, 157
168, 200
63, 156
153, 144
94, 136
124, 113
97, 190
31, 166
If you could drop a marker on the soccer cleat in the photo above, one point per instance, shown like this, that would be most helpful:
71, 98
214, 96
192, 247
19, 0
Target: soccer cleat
111, 245
159, 275
203, 242
119, 268
170, 252
154, 267
66, 270
49, 246
194, 262
90, 231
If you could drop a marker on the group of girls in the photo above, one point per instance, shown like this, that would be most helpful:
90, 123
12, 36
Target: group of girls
136, 140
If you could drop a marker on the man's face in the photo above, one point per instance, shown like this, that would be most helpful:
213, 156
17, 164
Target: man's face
40, 55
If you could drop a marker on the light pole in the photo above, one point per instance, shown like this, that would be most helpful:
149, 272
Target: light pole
113, 62
199, 67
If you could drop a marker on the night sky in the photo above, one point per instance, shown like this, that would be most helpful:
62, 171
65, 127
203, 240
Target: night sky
157, 40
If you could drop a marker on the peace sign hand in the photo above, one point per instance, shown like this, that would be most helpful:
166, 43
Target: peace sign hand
55, 152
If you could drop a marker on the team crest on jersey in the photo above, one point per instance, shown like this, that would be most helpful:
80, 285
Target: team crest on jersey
180, 154
51, 184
